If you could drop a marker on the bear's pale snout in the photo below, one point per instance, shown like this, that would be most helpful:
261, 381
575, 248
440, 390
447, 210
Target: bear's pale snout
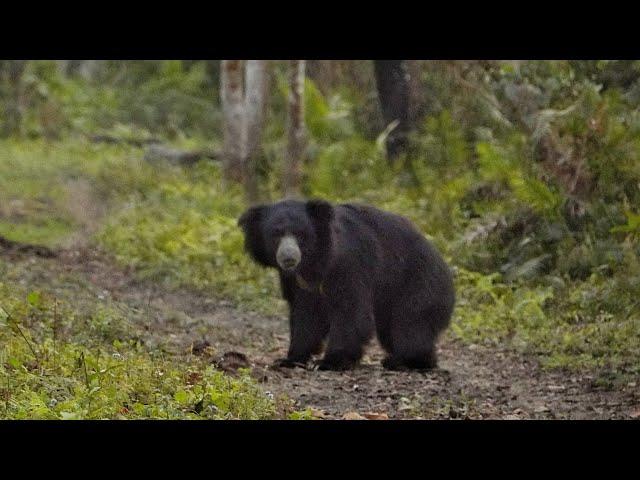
288, 254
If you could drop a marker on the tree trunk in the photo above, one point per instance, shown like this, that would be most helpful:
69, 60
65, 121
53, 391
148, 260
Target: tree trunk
235, 132
13, 92
69, 68
254, 106
295, 130
243, 112
392, 82
90, 69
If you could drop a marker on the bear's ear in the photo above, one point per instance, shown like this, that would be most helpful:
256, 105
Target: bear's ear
320, 210
251, 224
251, 217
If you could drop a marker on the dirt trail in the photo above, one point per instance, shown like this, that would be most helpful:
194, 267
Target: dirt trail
473, 381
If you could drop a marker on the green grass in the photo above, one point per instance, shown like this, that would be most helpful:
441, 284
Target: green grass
184, 233
49, 191
61, 362
47, 231
97, 368
568, 326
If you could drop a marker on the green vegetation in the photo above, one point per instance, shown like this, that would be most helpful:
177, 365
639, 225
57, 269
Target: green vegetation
546, 251
61, 363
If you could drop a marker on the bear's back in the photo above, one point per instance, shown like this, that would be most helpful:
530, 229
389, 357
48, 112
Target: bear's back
396, 254
387, 226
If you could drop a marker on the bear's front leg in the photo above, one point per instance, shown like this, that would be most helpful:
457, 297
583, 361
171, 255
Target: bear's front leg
350, 327
309, 327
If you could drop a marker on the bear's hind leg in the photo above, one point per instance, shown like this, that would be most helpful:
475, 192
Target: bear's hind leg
383, 327
419, 361
344, 349
413, 341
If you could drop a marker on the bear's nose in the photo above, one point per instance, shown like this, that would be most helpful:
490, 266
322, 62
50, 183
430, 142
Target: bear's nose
289, 263
288, 254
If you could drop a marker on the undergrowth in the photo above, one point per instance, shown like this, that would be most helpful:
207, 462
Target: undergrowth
57, 362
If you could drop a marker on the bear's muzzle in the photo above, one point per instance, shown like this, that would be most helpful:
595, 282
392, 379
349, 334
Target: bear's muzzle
288, 254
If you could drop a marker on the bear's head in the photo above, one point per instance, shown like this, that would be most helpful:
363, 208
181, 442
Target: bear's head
291, 235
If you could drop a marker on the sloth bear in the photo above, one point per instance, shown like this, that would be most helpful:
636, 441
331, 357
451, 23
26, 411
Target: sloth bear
347, 270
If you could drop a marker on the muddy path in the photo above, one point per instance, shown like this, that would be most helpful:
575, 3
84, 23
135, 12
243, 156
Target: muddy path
473, 381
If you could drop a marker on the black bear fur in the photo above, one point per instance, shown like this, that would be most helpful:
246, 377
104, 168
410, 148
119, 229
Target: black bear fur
361, 270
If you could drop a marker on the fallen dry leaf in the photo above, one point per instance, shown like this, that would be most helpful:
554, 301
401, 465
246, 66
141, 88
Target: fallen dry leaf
232, 361
376, 416
317, 413
193, 377
635, 414
202, 347
556, 388
353, 416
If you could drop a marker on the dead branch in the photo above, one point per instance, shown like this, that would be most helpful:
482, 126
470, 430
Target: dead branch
156, 152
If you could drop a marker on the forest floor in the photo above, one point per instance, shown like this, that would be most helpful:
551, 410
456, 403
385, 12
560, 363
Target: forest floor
473, 381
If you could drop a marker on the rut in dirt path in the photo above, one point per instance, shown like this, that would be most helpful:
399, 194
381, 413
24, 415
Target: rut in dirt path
472, 382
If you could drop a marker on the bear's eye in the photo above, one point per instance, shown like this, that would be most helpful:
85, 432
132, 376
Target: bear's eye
278, 232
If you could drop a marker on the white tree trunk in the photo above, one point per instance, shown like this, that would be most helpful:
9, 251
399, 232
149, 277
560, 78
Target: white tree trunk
256, 89
295, 130
255, 81
243, 112
233, 111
